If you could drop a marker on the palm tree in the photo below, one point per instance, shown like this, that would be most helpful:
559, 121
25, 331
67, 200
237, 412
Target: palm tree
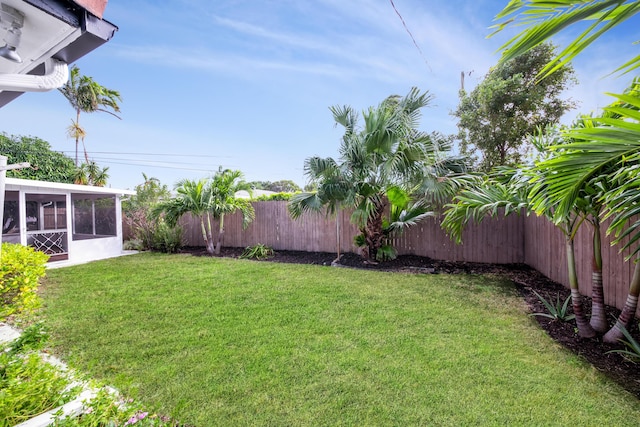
193, 197
614, 143
511, 190
87, 96
385, 158
608, 152
208, 199
542, 20
224, 186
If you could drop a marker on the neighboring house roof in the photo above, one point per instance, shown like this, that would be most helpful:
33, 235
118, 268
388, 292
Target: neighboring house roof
63, 30
14, 183
243, 194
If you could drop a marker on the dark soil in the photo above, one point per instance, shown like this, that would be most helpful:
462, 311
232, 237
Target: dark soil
526, 279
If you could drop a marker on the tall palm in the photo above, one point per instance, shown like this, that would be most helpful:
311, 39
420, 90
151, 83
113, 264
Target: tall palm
87, 96
387, 156
544, 19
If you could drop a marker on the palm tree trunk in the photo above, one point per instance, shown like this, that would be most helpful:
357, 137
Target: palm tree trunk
629, 311
584, 328
220, 235
77, 136
373, 232
206, 233
598, 315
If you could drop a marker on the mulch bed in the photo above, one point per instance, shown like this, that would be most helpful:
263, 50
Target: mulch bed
527, 280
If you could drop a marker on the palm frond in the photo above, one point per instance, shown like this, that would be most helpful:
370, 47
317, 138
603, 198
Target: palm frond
544, 19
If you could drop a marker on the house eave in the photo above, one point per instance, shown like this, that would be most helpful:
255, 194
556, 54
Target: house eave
87, 31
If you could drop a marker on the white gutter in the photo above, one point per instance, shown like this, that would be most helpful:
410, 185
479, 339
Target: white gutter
55, 76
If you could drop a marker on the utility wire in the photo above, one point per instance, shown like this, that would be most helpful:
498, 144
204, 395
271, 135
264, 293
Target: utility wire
404, 24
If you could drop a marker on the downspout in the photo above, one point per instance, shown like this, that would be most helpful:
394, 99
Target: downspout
55, 76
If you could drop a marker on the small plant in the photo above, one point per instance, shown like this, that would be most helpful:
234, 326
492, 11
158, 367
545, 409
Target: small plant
33, 338
106, 409
632, 352
30, 386
258, 251
559, 311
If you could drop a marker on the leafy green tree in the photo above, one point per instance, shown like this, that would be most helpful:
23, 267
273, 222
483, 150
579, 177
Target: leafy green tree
496, 118
541, 20
386, 165
87, 96
208, 199
46, 164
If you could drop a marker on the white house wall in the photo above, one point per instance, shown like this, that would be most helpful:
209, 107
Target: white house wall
78, 250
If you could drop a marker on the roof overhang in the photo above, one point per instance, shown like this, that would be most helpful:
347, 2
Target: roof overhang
14, 184
61, 29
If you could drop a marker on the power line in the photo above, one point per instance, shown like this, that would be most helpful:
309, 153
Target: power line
150, 154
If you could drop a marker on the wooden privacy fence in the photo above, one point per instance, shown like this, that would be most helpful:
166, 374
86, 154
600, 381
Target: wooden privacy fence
515, 239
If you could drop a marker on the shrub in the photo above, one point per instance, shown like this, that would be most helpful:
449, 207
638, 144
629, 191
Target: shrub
166, 239
21, 268
258, 251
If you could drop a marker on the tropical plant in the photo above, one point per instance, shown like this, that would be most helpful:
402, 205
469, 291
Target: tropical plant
607, 151
632, 351
543, 20
258, 251
91, 174
508, 191
87, 96
385, 159
496, 118
558, 311
208, 199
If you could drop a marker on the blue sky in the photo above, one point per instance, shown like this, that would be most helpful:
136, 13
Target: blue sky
247, 84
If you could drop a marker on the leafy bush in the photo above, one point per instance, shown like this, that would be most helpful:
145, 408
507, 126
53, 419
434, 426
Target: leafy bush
166, 239
559, 311
30, 386
21, 268
258, 251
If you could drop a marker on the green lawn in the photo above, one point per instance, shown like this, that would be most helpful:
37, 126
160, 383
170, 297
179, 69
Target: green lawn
225, 342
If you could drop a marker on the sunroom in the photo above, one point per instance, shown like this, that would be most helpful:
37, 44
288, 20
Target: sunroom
74, 223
